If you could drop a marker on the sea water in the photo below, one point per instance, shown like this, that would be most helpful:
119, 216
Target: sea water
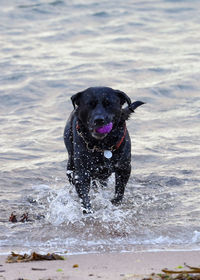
51, 49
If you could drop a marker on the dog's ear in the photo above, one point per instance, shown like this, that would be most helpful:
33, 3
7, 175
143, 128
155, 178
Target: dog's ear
124, 97
76, 99
135, 104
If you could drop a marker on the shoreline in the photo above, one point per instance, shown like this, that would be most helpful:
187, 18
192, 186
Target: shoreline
112, 266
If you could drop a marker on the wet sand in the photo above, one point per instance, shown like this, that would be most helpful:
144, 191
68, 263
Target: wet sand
111, 266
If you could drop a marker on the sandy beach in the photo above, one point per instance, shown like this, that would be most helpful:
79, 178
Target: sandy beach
111, 266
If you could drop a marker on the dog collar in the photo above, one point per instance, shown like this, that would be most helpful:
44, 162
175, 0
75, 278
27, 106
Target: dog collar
107, 152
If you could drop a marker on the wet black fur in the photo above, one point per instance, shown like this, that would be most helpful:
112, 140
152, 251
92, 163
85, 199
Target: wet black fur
93, 108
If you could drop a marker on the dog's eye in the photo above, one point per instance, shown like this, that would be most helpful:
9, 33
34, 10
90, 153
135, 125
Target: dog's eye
92, 104
106, 103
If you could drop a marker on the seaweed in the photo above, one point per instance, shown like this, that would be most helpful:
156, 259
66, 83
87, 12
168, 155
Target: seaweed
190, 273
13, 218
13, 258
24, 218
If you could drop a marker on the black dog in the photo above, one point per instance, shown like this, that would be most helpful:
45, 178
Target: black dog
98, 142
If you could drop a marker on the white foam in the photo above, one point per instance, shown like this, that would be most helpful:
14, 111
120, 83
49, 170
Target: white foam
63, 208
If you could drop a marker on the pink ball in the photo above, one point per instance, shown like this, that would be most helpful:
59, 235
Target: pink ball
105, 129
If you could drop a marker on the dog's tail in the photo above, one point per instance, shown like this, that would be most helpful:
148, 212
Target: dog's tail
127, 111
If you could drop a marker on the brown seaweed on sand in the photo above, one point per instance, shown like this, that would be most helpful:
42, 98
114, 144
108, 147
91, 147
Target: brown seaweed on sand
32, 257
190, 273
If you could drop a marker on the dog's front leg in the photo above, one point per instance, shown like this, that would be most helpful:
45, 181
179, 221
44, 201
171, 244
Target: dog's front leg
121, 179
82, 185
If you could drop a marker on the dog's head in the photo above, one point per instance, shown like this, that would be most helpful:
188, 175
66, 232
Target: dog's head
99, 109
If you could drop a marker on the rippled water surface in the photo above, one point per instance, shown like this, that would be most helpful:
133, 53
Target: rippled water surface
49, 50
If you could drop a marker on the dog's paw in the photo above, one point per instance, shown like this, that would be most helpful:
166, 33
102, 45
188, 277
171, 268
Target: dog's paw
116, 201
87, 211
86, 206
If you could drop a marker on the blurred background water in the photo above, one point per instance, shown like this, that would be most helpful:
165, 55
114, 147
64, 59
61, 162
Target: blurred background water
49, 50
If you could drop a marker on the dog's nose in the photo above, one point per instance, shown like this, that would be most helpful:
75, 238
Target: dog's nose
99, 121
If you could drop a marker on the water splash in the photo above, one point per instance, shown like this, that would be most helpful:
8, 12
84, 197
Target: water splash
63, 207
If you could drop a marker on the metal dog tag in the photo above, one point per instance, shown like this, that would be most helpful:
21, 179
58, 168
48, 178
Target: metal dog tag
107, 154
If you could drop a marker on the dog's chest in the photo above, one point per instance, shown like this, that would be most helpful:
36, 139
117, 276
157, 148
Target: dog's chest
100, 164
